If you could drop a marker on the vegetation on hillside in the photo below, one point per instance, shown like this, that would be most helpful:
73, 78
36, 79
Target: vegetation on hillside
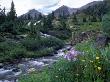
25, 38
91, 66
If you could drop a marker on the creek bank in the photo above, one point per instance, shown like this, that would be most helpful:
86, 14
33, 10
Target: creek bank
11, 72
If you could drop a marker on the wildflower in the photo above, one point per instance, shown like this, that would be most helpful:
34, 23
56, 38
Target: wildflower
95, 66
59, 69
86, 66
97, 58
87, 51
77, 74
56, 76
31, 70
91, 61
99, 62
72, 55
99, 68
83, 60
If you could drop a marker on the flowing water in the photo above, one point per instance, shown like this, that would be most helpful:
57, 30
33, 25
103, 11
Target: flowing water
10, 73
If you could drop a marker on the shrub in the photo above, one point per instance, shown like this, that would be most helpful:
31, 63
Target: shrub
34, 44
52, 42
10, 51
40, 53
36, 77
31, 44
62, 34
106, 24
93, 66
8, 27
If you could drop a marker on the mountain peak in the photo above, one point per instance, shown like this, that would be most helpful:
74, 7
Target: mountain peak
64, 6
32, 9
64, 11
33, 14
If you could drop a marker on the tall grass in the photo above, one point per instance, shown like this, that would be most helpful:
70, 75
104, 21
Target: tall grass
92, 66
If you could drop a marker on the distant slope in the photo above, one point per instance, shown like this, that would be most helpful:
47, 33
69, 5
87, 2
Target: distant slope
61, 11
31, 14
64, 11
90, 4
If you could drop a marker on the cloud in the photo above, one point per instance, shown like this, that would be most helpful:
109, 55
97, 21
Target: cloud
45, 6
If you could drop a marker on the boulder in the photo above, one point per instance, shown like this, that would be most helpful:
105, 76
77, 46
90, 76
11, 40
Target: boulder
102, 41
1, 65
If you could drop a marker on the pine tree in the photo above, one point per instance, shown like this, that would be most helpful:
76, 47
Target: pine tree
12, 14
84, 19
74, 20
106, 24
2, 15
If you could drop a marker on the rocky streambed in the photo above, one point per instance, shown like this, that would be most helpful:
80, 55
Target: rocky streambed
11, 73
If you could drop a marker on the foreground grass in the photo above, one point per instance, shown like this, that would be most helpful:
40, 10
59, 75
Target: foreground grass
92, 66
36, 77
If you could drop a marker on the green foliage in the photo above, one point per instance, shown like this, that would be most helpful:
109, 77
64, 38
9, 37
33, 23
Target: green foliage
31, 44
52, 42
34, 44
12, 14
60, 29
10, 51
106, 24
2, 19
92, 66
36, 77
97, 10
74, 19
40, 53
8, 27
47, 23
28, 48
2, 16
96, 26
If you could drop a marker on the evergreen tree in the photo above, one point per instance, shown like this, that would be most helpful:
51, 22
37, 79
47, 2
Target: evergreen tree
2, 15
84, 19
106, 24
74, 19
12, 14
47, 23
97, 10
63, 24
53, 16
94, 19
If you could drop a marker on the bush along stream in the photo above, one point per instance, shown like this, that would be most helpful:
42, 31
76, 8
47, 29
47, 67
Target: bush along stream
11, 73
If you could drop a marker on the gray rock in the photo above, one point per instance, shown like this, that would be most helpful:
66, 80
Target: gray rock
102, 41
5, 73
1, 65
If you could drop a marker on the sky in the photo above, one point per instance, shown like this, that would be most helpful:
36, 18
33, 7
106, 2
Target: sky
44, 6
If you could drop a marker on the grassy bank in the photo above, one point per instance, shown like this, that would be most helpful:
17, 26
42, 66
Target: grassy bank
29, 48
92, 66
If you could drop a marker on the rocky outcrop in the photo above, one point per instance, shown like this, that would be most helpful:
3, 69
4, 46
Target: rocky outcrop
102, 41
84, 36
